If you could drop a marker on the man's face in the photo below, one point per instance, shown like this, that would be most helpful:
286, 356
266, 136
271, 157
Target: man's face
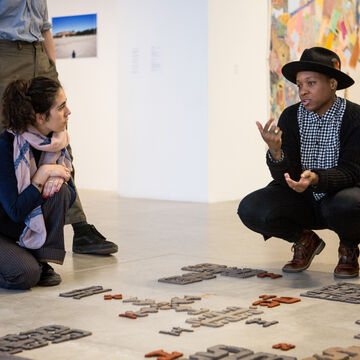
316, 91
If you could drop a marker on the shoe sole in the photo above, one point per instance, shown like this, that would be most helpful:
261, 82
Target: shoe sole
317, 251
343, 276
53, 282
49, 284
96, 252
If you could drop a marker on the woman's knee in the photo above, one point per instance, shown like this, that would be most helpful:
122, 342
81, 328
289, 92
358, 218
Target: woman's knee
63, 195
21, 277
60, 200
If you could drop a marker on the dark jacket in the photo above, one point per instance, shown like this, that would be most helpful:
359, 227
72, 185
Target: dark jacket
345, 174
15, 207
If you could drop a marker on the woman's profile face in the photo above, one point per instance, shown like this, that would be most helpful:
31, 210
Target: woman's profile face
59, 114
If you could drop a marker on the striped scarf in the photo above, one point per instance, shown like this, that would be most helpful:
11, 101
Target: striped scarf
53, 152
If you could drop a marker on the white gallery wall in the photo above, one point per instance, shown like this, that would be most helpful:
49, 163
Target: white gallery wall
91, 86
163, 111
167, 110
163, 101
238, 96
189, 98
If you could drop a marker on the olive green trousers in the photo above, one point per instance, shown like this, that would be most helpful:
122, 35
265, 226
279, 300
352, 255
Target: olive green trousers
23, 60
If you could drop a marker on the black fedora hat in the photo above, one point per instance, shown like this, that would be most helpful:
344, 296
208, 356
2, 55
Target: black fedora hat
320, 60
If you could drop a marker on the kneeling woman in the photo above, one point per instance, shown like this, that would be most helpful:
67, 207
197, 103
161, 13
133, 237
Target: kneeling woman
36, 189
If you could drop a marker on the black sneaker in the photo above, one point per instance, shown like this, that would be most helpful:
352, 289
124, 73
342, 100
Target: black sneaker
87, 240
48, 276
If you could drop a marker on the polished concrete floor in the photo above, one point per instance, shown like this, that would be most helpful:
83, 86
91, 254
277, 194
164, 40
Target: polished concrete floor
155, 239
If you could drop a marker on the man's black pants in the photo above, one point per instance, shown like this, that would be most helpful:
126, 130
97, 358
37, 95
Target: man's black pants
279, 211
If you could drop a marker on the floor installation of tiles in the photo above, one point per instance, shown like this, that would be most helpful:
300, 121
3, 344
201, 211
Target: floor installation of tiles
122, 310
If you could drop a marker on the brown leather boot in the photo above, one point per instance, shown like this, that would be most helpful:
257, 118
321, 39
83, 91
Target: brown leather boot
348, 266
304, 250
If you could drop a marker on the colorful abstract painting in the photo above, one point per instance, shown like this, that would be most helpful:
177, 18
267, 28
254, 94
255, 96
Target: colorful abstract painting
300, 24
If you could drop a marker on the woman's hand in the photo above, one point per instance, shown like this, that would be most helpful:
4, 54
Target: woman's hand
50, 170
59, 170
271, 134
307, 178
52, 185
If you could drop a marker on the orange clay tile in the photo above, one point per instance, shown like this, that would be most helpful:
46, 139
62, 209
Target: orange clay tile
270, 275
130, 316
117, 297
286, 300
162, 355
267, 297
109, 297
258, 302
283, 346
269, 304
271, 300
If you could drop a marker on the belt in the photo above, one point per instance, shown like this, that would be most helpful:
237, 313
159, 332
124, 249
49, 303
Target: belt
21, 44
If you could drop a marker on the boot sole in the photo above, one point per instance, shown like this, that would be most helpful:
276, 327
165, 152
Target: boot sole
50, 282
96, 252
344, 276
317, 251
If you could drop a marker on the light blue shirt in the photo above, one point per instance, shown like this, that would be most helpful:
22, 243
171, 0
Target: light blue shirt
23, 20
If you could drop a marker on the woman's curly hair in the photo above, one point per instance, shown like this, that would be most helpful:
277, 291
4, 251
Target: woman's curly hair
23, 99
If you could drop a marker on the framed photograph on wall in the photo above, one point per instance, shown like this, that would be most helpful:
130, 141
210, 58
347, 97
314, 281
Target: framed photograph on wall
75, 36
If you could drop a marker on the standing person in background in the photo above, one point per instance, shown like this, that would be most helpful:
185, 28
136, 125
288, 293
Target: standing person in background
26, 51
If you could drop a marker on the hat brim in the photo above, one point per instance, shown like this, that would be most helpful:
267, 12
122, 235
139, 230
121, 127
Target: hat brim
291, 69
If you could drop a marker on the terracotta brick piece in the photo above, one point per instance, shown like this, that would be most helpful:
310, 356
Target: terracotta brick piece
110, 297
271, 300
270, 275
117, 297
267, 297
162, 355
284, 347
130, 316
286, 300
268, 303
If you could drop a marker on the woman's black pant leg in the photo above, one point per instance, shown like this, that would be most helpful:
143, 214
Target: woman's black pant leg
19, 270
278, 211
54, 210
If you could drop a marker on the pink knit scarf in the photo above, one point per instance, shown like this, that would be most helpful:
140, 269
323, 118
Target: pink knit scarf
53, 152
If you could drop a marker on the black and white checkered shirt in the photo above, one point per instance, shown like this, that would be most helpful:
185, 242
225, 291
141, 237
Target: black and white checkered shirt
320, 137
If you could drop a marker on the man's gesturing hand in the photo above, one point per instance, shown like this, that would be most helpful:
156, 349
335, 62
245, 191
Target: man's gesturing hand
307, 178
271, 134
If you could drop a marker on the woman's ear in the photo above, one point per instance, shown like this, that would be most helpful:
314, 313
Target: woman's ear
40, 118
